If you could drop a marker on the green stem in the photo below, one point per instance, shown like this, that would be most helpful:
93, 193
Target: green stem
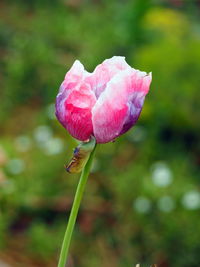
74, 211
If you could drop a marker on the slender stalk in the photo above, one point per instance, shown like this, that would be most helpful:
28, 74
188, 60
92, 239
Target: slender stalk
74, 211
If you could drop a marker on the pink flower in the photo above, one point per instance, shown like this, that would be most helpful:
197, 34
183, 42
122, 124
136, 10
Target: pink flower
105, 103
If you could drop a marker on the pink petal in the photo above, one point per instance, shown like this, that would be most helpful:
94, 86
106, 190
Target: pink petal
78, 116
104, 72
75, 75
119, 106
74, 103
72, 78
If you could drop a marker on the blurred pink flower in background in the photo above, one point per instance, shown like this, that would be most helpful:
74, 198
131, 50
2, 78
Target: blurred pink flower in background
105, 103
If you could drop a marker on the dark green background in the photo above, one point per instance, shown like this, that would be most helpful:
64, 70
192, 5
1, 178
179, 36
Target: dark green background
142, 202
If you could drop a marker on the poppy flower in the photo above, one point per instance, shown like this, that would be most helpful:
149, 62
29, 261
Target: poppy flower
105, 103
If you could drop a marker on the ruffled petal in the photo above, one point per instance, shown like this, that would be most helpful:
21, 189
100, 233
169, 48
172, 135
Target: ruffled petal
104, 72
73, 77
78, 116
141, 83
119, 106
74, 103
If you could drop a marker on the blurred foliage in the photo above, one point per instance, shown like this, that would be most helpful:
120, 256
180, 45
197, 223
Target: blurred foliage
142, 200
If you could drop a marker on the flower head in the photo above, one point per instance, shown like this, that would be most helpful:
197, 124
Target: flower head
104, 104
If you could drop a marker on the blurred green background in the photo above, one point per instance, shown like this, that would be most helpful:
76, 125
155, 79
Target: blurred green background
142, 202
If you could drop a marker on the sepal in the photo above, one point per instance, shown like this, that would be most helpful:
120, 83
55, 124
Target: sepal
81, 156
